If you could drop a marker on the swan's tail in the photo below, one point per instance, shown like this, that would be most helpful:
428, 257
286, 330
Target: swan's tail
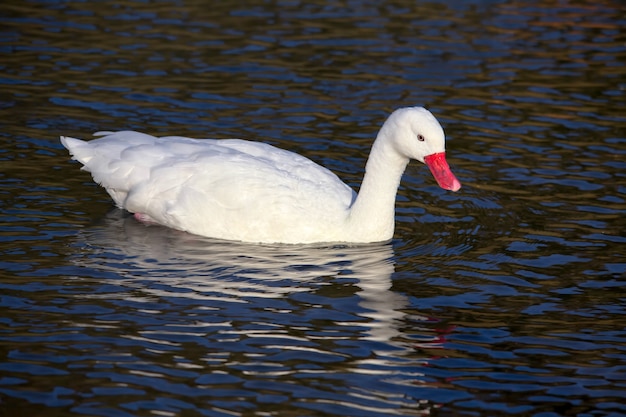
79, 149
101, 166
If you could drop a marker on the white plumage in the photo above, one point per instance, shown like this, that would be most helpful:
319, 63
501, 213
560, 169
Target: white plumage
254, 192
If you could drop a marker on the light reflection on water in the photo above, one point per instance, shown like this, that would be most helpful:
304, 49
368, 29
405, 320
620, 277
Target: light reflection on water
505, 298
264, 312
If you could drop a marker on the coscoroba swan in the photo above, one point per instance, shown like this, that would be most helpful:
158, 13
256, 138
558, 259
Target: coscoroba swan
254, 192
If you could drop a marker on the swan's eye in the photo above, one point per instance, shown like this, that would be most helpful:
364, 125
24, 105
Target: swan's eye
420, 138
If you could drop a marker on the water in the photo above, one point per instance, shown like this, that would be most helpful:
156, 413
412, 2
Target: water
506, 298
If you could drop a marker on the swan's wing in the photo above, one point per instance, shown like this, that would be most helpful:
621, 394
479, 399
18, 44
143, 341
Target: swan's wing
222, 188
194, 184
261, 153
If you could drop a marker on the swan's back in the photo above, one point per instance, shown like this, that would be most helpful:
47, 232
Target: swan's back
228, 189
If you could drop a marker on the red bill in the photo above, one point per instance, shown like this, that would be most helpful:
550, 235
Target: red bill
441, 171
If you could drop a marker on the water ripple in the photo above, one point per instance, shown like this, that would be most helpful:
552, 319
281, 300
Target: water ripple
504, 298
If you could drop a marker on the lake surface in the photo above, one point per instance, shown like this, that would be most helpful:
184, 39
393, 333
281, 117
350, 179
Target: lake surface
506, 298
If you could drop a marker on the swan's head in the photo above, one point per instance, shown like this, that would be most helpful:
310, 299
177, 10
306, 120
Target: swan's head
416, 134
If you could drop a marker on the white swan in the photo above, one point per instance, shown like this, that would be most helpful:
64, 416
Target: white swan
250, 191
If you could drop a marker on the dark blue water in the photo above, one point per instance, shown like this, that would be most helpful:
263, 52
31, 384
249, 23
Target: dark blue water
506, 298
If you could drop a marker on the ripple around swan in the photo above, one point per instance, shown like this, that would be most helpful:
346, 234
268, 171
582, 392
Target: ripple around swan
261, 313
505, 298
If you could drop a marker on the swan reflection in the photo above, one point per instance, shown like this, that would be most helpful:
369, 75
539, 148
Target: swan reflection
157, 263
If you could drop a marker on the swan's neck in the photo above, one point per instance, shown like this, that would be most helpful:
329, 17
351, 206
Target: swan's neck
372, 215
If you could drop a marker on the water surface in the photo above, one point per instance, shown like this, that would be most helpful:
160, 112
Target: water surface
506, 298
